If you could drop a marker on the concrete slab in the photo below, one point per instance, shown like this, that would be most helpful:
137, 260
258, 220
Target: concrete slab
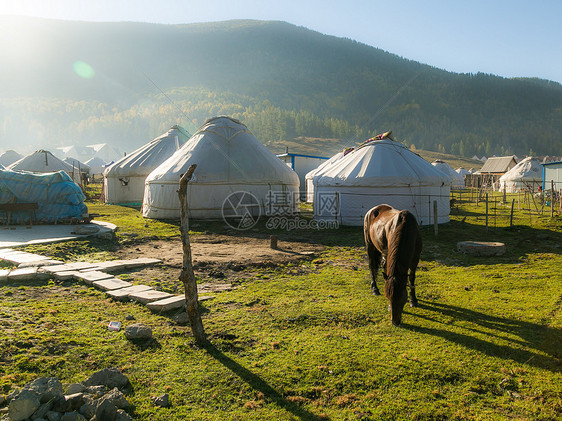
167, 304
69, 266
19, 235
91, 276
27, 274
110, 266
65, 275
4, 274
124, 293
481, 248
57, 268
111, 283
40, 263
141, 261
146, 297
19, 257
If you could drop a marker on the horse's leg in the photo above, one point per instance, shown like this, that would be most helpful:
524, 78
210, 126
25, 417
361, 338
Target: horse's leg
412, 276
374, 263
412, 287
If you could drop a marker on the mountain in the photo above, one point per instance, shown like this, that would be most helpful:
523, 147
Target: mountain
82, 82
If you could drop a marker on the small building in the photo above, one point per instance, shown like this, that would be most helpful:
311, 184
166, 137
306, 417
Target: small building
491, 171
552, 172
302, 165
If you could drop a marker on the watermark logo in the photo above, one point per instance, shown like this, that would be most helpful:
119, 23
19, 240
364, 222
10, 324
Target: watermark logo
327, 204
297, 223
241, 210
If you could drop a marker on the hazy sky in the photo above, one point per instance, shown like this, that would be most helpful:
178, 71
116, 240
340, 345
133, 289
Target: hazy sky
508, 38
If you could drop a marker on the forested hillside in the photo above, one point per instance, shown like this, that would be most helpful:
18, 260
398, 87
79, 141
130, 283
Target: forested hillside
78, 82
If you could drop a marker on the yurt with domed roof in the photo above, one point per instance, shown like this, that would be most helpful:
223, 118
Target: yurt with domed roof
123, 181
380, 171
457, 181
41, 162
322, 167
230, 160
526, 175
9, 157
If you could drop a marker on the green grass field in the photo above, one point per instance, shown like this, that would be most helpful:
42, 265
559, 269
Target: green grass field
309, 340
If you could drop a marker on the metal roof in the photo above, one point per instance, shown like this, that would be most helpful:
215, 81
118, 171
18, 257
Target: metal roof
498, 164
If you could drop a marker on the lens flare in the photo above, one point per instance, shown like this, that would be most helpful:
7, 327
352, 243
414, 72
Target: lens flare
83, 70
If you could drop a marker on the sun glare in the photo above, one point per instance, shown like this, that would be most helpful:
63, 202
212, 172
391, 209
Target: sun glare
83, 70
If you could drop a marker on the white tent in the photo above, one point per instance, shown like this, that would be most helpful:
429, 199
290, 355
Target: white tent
462, 172
381, 171
457, 182
322, 167
528, 173
124, 180
45, 162
97, 165
106, 152
77, 152
9, 157
229, 159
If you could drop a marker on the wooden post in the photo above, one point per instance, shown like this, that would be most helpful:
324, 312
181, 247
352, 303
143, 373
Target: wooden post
187, 276
511, 215
273, 242
551, 198
435, 225
486, 211
504, 194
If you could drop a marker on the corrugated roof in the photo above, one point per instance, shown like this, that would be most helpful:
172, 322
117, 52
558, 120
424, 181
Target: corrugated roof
498, 164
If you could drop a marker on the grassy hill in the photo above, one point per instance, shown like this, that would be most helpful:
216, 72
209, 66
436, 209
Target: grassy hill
86, 82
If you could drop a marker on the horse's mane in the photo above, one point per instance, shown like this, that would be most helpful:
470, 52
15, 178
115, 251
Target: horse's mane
401, 244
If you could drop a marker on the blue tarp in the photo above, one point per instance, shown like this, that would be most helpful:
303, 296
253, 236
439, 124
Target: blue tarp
58, 198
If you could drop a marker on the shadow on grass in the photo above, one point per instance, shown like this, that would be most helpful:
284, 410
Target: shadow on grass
523, 342
520, 241
259, 384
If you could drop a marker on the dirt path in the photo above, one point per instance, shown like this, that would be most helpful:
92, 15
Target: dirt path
216, 256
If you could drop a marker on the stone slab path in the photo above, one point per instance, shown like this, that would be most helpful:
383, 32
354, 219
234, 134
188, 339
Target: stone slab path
32, 266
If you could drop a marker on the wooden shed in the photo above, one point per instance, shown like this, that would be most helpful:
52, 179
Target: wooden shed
491, 171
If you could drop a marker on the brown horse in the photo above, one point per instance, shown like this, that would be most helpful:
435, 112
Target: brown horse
394, 237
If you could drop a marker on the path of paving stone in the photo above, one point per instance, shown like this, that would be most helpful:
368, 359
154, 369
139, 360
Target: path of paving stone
36, 267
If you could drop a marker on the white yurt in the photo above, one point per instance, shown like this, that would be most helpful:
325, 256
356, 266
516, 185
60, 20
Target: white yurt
462, 172
310, 175
377, 172
525, 175
45, 162
123, 181
9, 157
457, 182
230, 160
106, 152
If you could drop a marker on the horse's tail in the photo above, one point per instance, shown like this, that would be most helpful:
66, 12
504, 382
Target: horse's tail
367, 221
402, 247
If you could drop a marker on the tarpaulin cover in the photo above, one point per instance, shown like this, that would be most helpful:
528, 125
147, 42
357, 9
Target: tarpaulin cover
57, 196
